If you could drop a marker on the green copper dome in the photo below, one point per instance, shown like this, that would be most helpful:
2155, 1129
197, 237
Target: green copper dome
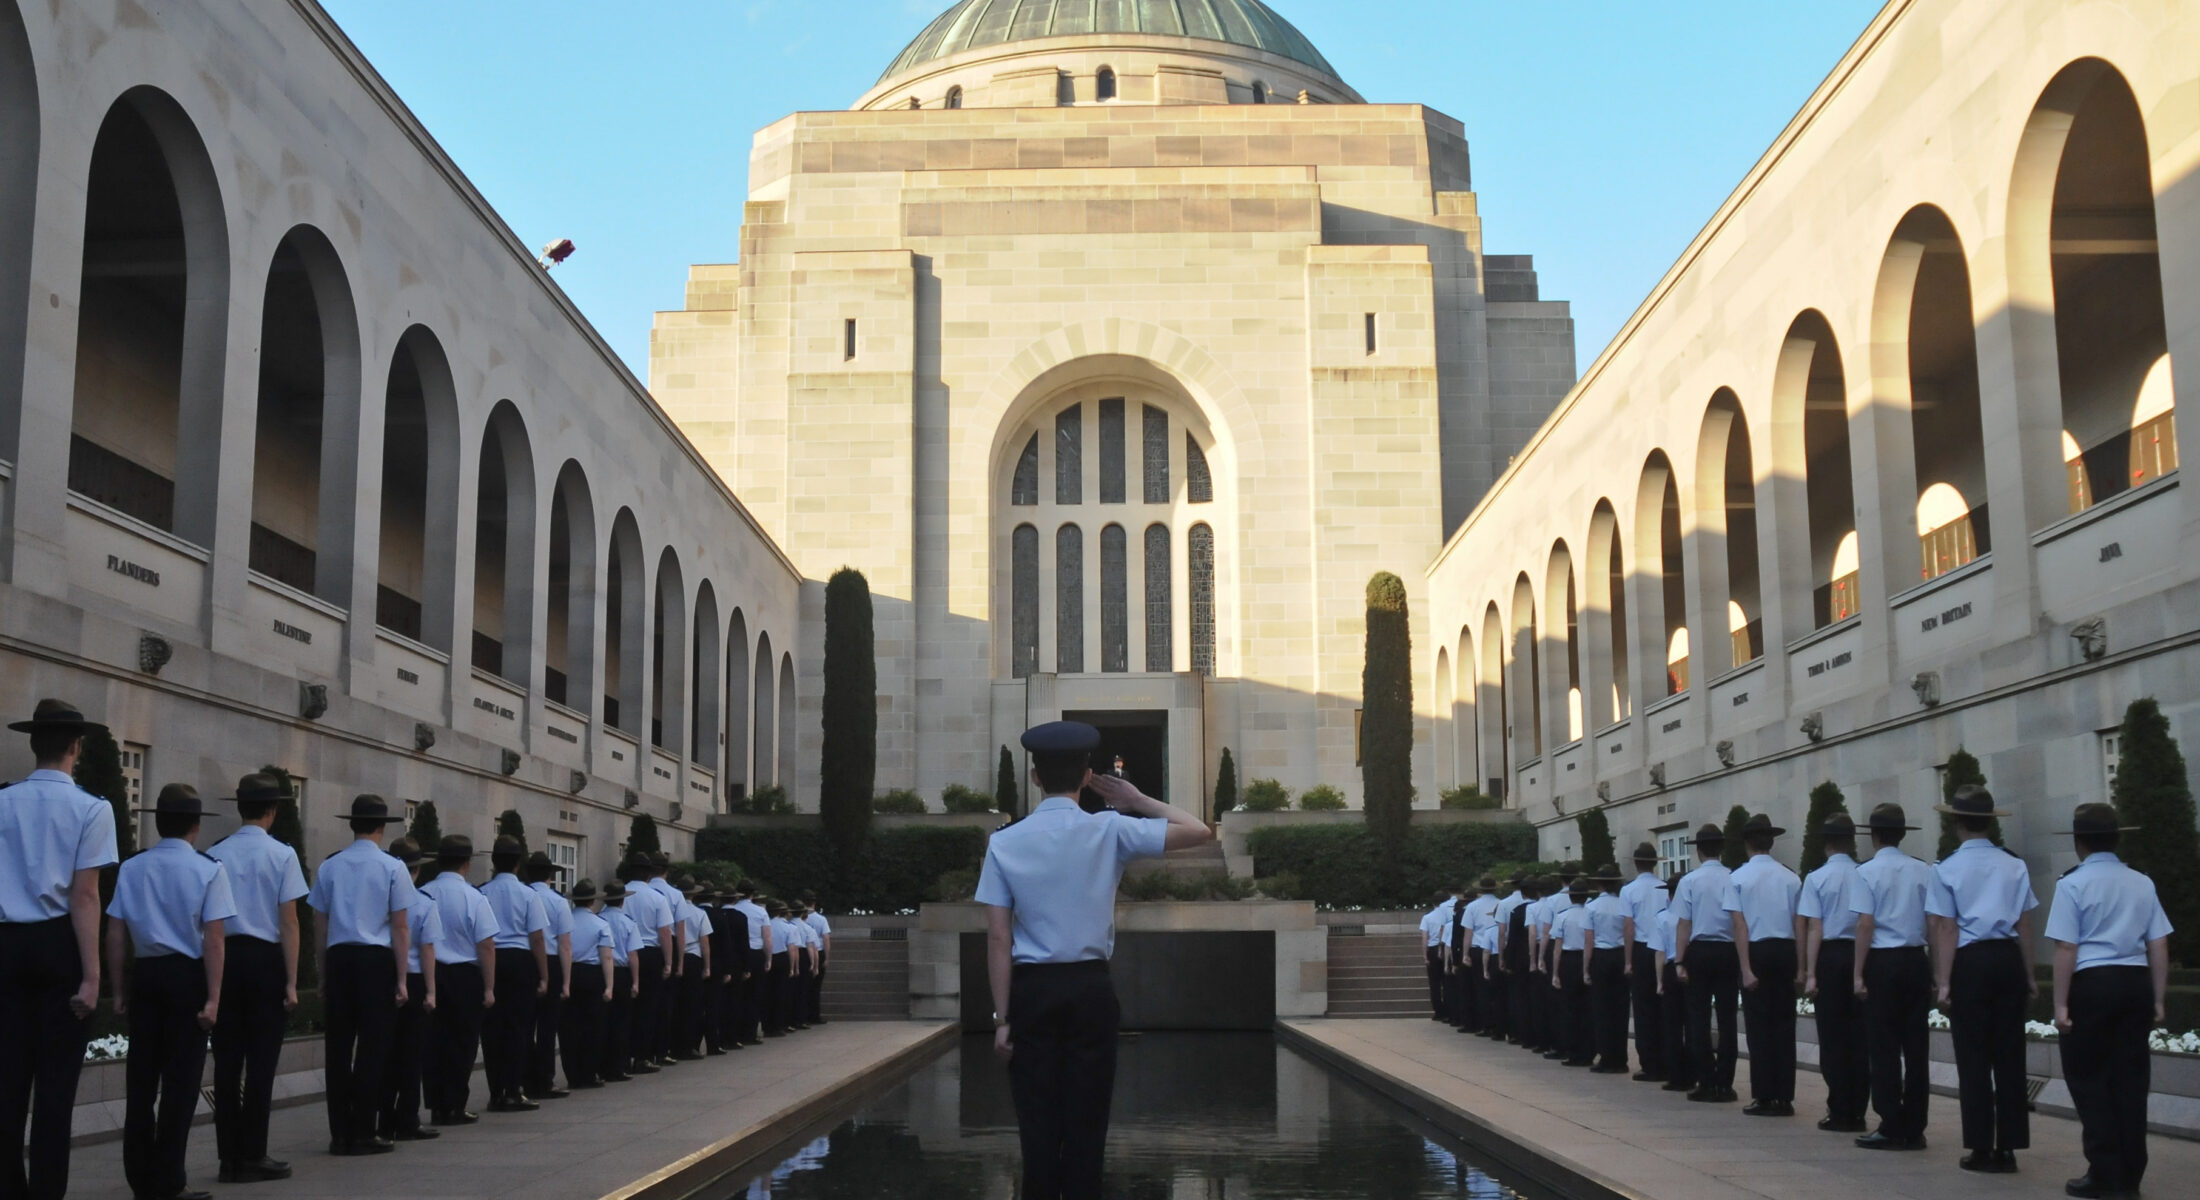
972, 24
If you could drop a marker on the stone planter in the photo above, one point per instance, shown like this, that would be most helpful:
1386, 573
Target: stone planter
1238, 824
987, 821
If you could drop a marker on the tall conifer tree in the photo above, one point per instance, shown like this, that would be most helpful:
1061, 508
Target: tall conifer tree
1962, 770
1735, 853
1386, 717
1825, 800
848, 769
1007, 796
1597, 848
2153, 792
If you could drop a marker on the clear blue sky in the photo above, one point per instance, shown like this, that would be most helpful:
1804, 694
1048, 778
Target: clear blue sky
1603, 134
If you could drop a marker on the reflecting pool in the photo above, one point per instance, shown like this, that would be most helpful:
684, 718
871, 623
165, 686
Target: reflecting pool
1198, 1116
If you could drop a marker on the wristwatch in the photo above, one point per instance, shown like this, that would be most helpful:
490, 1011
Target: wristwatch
999, 1020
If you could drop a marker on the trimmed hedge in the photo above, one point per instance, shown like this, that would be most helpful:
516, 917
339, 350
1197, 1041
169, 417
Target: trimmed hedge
1338, 866
890, 872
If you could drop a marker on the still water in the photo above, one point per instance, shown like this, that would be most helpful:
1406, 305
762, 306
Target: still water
1198, 1116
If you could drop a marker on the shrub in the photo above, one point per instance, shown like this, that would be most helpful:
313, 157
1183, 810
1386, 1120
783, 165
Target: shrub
1226, 790
1825, 800
1466, 796
1172, 885
891, 871
1322, 798
900, 800
1386, 719
1962, 769
99, 771
641, 836
769, 800
1266, 795
1006, 794
510, 825
1735, 853
426, 829
723, 873
1336, 865
1596, 840
1281, 886
953, 886
957, 798
2153, 792
848, 766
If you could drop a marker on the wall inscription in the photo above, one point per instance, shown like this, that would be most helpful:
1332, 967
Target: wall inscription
405, 676
1835, 663
493, 708
286, 629
563, 735
1740, 698
1950, 617
124, 567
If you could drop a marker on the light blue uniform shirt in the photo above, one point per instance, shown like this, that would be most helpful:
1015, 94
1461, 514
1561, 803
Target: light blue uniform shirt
1890, 889
49, 830
1644, 896
1539, 915
1700, 900
1665, 931
698, 927
590, 934
626, 936
1485, 936
1825, 896
557, 915
1984, 888
1058, 869
167, 895
467, 918
1481, 914
518, 912
425, 920
782, 935
674, 902
646, 907
820, 927
1436, 924
263, 876
758, 918
356, 890
1763, 890
2108, 911
1607, 917
1571, 927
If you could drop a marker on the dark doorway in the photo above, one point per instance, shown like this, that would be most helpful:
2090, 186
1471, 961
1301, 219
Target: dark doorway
1141, 737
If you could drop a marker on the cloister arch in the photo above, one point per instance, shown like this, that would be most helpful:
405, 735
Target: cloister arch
569, 629
704, 733
18, 212
1447, 766
1725, 514
734, 777
152, 321
1925, 378
417, 565
1524, 681
1611, 690
624, 676
764, 736
1562, 689
303, 460
1465, 709
1664, 590
784, 759
1492, 707
1810, 443
504, 547
668, 655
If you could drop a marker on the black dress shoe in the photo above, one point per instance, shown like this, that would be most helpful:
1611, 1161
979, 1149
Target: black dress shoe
417, 1133
548, 1094
1649, 1077
1677, 1085
641, 1068
1834, 1124
361, 1147
2086, 1186
190, 1195
713, 1052
454, 1118
1987, 1161
513, 1104
1613, 1069
263, 1171
2005, 1162
590, 1084
1760, 1108
617, 1078
1879, 1139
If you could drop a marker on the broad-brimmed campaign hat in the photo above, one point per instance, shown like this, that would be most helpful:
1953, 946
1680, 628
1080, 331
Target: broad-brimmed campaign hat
1971, 800
369, 807
1839, 825
583, 892
1570, 868
2088, 820
178, 799
1485, 884
456, 848
1581, 886
1608, 873
1760, 825
1709, 834
56, 715
614, 890
260, 787
405, 850
1061, 737
1889, 818
1645, 852
659, 860
539, 866
507, 844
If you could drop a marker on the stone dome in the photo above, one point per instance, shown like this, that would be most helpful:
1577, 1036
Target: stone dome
973, 24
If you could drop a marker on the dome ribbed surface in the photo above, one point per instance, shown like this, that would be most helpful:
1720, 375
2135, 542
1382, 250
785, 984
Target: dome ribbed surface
972, 24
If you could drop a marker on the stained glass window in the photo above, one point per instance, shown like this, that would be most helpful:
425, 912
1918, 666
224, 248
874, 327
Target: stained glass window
1153, 431
1111, 451
1024, 488
1198, 484
1115, 640
1200, 555
1069, 455
1160, 652
1024, 602
1069, 599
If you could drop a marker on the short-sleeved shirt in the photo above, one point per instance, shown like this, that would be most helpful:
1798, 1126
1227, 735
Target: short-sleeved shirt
820, 928
1890, 889
1539, 915
1644, 896
49, 830
1984, 888
557, 914
1570, 928
626, 936
1825, 898
1485, 937
356, 890
1763, 890
425, 920
1480, 914
1504, 910
1436, 922
1700, 900
467, 918
783, 936
263, 876
647, 908
518, 912
757, 918
2108, 911
698, 927
1665, 931
167, 895
590, 934
1607, 916
1057, 869
674, 902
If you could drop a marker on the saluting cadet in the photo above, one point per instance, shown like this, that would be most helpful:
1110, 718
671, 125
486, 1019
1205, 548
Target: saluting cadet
362, 895
1703, 946
2111, 979
695, 947
757, 966
522, 966
626, 942
465, 984
588, 990
1644, 898
542, 1060
654, 923
1435, 926
259, 980
399, 1119
1829, 957
1680, 1055
54, 838
169, 906
1894, 980
1980, 907
1049, 885
1572, 1032
1760, 899
821, 940
1609, 970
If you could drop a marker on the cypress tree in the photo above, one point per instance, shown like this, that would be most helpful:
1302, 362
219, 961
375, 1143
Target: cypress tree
287, 827
509, 825
1225, 784
426, 829
2153, 792
1825, 800
848, 768
1735, 853
1597, 848
1386, 719
1006, 795
641, 836
1962, 769
99, 771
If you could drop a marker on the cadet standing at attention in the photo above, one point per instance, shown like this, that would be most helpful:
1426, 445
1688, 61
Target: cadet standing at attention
1981, 904
1049, 885
2111, 978
259, 980
1644, 896
542, 1062
169, 906
465, 983
1478, 920
54, 838
1513, 945
618, 1028
1760, 900
1435, 926
750, 1015
1708, 967
1895, 981
588, 991
653, 924
362, 895
1829, 959
1608, 972
822, 930
522, 966
1569, 1028
399, 1119
1680, 1056
674, 950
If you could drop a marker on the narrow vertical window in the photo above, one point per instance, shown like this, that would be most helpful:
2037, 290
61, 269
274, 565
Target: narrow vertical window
1024, 601
1069, 600
1160, 649
1103, 87
1153, 432
1370, 332
1115, 641
1200, 559
1111, 451
954, 97
848, 339
1024, 488
1260, 92
1069, 455
1199, 483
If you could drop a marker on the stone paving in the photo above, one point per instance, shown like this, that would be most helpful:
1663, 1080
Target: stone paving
1637, 1141
593, 1144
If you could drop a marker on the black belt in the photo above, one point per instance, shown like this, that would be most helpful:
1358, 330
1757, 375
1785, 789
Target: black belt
1089, 966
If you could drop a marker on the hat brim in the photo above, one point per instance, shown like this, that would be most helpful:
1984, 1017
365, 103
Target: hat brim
347, 818
177, 812
1888, 828
1958, 812
1774, 831
35, 725
2095, 832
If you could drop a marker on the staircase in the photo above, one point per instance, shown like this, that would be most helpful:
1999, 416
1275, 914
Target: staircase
1377, 975
1196, 861
867, 978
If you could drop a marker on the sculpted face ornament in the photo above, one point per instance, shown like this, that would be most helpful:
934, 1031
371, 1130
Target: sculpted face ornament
1725, 751
1657, 775
423, 736
154, 653
2091, 635
509, 763
1927, 686
1814, 727
312, 700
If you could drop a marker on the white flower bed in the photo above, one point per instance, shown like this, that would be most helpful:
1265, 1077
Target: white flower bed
2161, 1041
106, 1049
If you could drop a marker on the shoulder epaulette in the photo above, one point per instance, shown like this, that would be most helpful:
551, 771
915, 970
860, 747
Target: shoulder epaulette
2066, 874
2011, 853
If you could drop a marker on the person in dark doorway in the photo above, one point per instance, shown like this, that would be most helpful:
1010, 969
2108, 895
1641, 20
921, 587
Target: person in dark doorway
1644, 897
1049, 885
1980, 907
1115, 768
1760, 900
259, 980
365, 939
1894, 978
1703, 945
1829, 958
